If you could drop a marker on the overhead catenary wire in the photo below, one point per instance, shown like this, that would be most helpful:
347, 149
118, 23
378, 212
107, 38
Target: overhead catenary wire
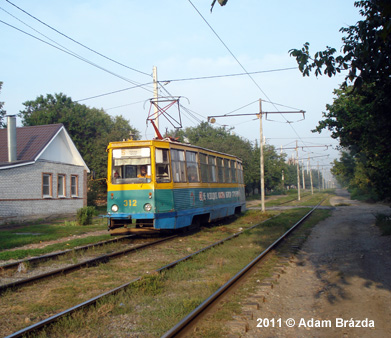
229, 75
162, 82
79, 43
115, 92
240, 64
71, 53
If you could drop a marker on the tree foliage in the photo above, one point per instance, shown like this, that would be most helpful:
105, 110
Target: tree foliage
91, 129
223, 140
366, 51
221, 2
2, 111
360, 116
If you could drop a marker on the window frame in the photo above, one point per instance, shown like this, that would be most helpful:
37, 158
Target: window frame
178, 166
212, 172
164, 163
64, 188
191, 165
49, 185
203, 158
76, 177
227, 171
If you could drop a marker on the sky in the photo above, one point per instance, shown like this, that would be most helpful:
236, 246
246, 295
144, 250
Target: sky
184, 40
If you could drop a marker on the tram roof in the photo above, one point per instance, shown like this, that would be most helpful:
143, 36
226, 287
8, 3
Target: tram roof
169, 142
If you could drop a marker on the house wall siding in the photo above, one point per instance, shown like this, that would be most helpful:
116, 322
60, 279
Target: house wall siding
21, 190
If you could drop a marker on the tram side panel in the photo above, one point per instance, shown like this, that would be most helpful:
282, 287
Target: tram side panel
214, 203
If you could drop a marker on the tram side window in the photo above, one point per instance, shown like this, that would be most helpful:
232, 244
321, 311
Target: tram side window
227, 171
192, 167
178, 165
240, 172
233, 171
204, 167
162, 166
220, 169
212, 168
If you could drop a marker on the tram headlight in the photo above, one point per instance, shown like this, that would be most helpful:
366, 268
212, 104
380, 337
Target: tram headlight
114, 208
147, 207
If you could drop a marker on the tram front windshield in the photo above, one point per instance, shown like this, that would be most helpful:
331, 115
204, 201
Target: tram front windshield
131, 165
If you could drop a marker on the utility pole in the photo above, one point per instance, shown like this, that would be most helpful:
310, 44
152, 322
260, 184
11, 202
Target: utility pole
156, 96
309, 168
262, 167
303, 175
318, 178
298, 172
212, 119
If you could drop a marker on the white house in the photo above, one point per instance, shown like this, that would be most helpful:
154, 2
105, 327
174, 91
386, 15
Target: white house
41, 172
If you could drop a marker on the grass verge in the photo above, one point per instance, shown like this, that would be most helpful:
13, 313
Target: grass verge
156, 303
32, 234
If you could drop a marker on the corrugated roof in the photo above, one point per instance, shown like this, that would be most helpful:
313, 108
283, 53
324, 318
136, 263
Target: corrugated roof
30, 141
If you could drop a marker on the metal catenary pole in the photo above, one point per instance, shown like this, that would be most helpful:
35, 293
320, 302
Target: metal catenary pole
156, 95
262, 166
298, 172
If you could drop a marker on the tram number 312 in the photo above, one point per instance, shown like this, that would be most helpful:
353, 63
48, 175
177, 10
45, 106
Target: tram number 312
130, 203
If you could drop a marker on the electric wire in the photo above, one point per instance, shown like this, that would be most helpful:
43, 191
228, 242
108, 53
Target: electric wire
229, 75
125, 105
80, 44
114, 92
252, 79
72, 54
162, 82
232, 54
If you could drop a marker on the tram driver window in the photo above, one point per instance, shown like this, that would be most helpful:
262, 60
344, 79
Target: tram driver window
131, 165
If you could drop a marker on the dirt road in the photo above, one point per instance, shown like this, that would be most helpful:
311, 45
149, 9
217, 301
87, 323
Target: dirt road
339, 284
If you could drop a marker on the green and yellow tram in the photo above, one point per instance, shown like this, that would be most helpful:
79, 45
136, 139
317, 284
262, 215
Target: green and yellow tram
164, 184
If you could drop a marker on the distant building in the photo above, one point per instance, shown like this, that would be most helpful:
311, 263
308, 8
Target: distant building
41, 172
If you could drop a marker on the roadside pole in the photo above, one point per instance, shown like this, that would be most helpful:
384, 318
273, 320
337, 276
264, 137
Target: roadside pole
262, 167
156, 96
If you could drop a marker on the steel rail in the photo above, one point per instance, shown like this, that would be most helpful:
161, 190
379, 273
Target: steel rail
92, 301
44, 258
89, 263
180, 326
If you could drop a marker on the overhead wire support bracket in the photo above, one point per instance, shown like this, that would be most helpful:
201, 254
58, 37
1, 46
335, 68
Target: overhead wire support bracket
213, 117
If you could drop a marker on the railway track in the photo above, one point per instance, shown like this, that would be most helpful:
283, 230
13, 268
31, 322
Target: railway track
184, 325
191, 317
73, 267
94, 300
37, 326
39, 259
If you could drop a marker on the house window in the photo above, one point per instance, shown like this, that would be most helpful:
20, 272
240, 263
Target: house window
61, 185
47, 190
74, 185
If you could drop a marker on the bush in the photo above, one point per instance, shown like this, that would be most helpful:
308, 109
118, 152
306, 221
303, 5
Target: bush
84, 215
384, 223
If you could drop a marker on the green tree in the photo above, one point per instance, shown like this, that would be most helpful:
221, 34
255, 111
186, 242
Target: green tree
2, 111
223, 140
343, 169
361, 114
91, 129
